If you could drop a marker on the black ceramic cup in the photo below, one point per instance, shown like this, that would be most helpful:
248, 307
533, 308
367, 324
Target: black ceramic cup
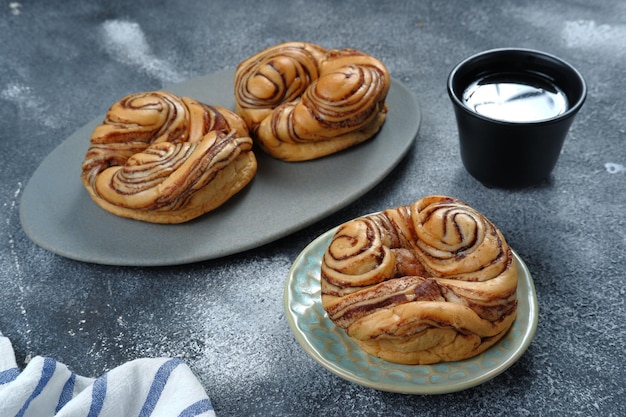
513, 109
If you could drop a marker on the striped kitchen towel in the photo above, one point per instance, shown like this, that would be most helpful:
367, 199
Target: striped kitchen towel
142, 387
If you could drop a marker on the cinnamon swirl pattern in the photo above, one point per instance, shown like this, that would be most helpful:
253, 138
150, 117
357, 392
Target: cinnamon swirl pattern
420, 284
304, 102
161, 158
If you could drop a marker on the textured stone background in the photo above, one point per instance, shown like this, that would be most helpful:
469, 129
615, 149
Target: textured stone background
63, 63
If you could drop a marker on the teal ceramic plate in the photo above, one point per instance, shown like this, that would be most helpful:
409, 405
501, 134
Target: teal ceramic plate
332, 348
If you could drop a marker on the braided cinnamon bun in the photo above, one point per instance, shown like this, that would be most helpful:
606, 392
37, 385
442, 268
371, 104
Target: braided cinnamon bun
161, 158
420, 284
303, 102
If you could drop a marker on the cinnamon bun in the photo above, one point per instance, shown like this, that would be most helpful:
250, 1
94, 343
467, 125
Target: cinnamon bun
161, 158
420, 284
304, 102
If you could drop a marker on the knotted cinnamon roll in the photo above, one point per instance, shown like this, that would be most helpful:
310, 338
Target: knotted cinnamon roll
433, 281
161, 158
303, 102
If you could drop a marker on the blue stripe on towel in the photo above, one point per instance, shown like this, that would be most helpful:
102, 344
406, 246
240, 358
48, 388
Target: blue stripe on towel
47, 370
9, 375
158, 384
98, 392
197, 408
68, 391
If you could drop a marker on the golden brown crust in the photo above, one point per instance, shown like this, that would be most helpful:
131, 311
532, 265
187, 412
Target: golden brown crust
433, 281
161, 158
303, 102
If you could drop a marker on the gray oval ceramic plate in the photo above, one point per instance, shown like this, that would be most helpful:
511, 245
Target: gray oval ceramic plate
57, 213
333, 349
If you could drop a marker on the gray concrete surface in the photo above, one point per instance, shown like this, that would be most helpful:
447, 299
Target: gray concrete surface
63, 63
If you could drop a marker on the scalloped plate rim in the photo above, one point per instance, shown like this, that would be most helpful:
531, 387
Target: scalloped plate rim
522, 341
